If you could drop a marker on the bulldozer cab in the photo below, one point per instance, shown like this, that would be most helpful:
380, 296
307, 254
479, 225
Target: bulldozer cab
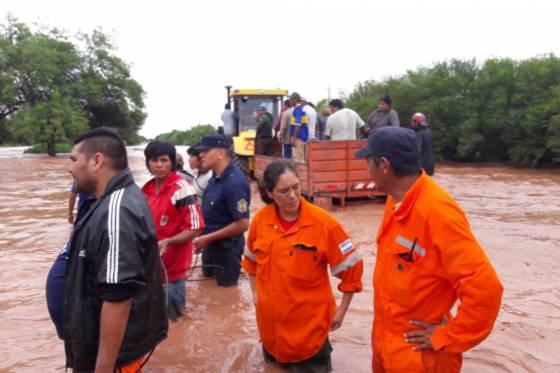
245, 104
246, 101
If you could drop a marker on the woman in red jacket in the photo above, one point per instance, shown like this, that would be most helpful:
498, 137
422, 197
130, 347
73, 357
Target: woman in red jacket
177, 218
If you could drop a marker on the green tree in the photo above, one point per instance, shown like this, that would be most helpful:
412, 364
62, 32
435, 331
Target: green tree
82, 79
49, 123
188, 137
501, 110
106, 91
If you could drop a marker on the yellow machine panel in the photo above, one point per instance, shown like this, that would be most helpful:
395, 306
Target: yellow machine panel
244, 144
259, 92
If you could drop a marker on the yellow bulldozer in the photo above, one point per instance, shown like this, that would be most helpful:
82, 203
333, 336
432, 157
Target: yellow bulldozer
245, 104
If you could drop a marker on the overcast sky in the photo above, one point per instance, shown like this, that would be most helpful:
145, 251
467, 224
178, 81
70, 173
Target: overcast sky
184, 52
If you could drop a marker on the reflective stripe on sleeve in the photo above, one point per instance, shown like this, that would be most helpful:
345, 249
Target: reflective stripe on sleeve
249, 255
408, 244
348, 262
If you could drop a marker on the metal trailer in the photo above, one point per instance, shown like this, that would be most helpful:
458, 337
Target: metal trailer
331, 171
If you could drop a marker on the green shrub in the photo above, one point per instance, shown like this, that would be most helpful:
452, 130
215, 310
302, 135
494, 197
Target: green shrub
188, 137
42, 148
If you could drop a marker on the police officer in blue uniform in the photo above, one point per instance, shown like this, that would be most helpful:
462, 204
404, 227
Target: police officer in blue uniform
225, 207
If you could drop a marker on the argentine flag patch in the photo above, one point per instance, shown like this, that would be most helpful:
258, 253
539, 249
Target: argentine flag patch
346, 247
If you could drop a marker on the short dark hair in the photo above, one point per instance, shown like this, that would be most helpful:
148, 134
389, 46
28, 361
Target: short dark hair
288, 103
106, 141
157, 148
398, 169
192, 150
386, 99
337, 103
271, 175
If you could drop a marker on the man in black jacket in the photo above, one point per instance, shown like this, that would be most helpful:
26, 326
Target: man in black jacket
114, 310
424, 139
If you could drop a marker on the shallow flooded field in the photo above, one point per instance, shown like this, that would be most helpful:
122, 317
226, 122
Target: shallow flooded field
515, 213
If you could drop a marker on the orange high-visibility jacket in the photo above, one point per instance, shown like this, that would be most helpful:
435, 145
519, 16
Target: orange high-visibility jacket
427, 258
295, 303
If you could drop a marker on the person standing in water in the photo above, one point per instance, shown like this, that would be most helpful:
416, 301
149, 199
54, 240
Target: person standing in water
225, 206
80, 197
427, 259
114, 306
202, 175
179, 168
290, 247
178, 221
424, 138
56, 279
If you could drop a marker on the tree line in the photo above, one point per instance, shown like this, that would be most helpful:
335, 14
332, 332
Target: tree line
501, 110
54, 87
187, 137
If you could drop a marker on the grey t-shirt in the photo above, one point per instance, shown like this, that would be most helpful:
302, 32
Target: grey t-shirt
379, 119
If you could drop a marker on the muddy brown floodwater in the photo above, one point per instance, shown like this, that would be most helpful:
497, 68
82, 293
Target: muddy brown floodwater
514, 213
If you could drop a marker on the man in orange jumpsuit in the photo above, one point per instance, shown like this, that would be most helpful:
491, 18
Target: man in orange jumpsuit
427, 259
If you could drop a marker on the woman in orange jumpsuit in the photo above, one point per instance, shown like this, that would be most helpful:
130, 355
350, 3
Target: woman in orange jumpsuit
291, 244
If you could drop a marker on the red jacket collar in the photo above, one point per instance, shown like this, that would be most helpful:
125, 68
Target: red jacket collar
167, 183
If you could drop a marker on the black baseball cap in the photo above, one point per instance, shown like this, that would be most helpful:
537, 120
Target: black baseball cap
193, 150
397, 144
211, 142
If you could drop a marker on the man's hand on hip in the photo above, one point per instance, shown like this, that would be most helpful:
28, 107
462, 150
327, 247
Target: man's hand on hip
422, 338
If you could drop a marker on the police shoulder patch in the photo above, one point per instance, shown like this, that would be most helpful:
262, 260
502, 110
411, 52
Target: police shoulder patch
242, 205
346, 247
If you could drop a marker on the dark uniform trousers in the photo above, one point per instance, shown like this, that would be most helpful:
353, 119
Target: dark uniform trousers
222, 259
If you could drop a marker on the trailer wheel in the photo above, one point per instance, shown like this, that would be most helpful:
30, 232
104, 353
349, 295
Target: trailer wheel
325, 203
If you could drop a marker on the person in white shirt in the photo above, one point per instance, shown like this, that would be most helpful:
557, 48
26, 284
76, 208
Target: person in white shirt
230, 121
343, 123
202, 176
311, 118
